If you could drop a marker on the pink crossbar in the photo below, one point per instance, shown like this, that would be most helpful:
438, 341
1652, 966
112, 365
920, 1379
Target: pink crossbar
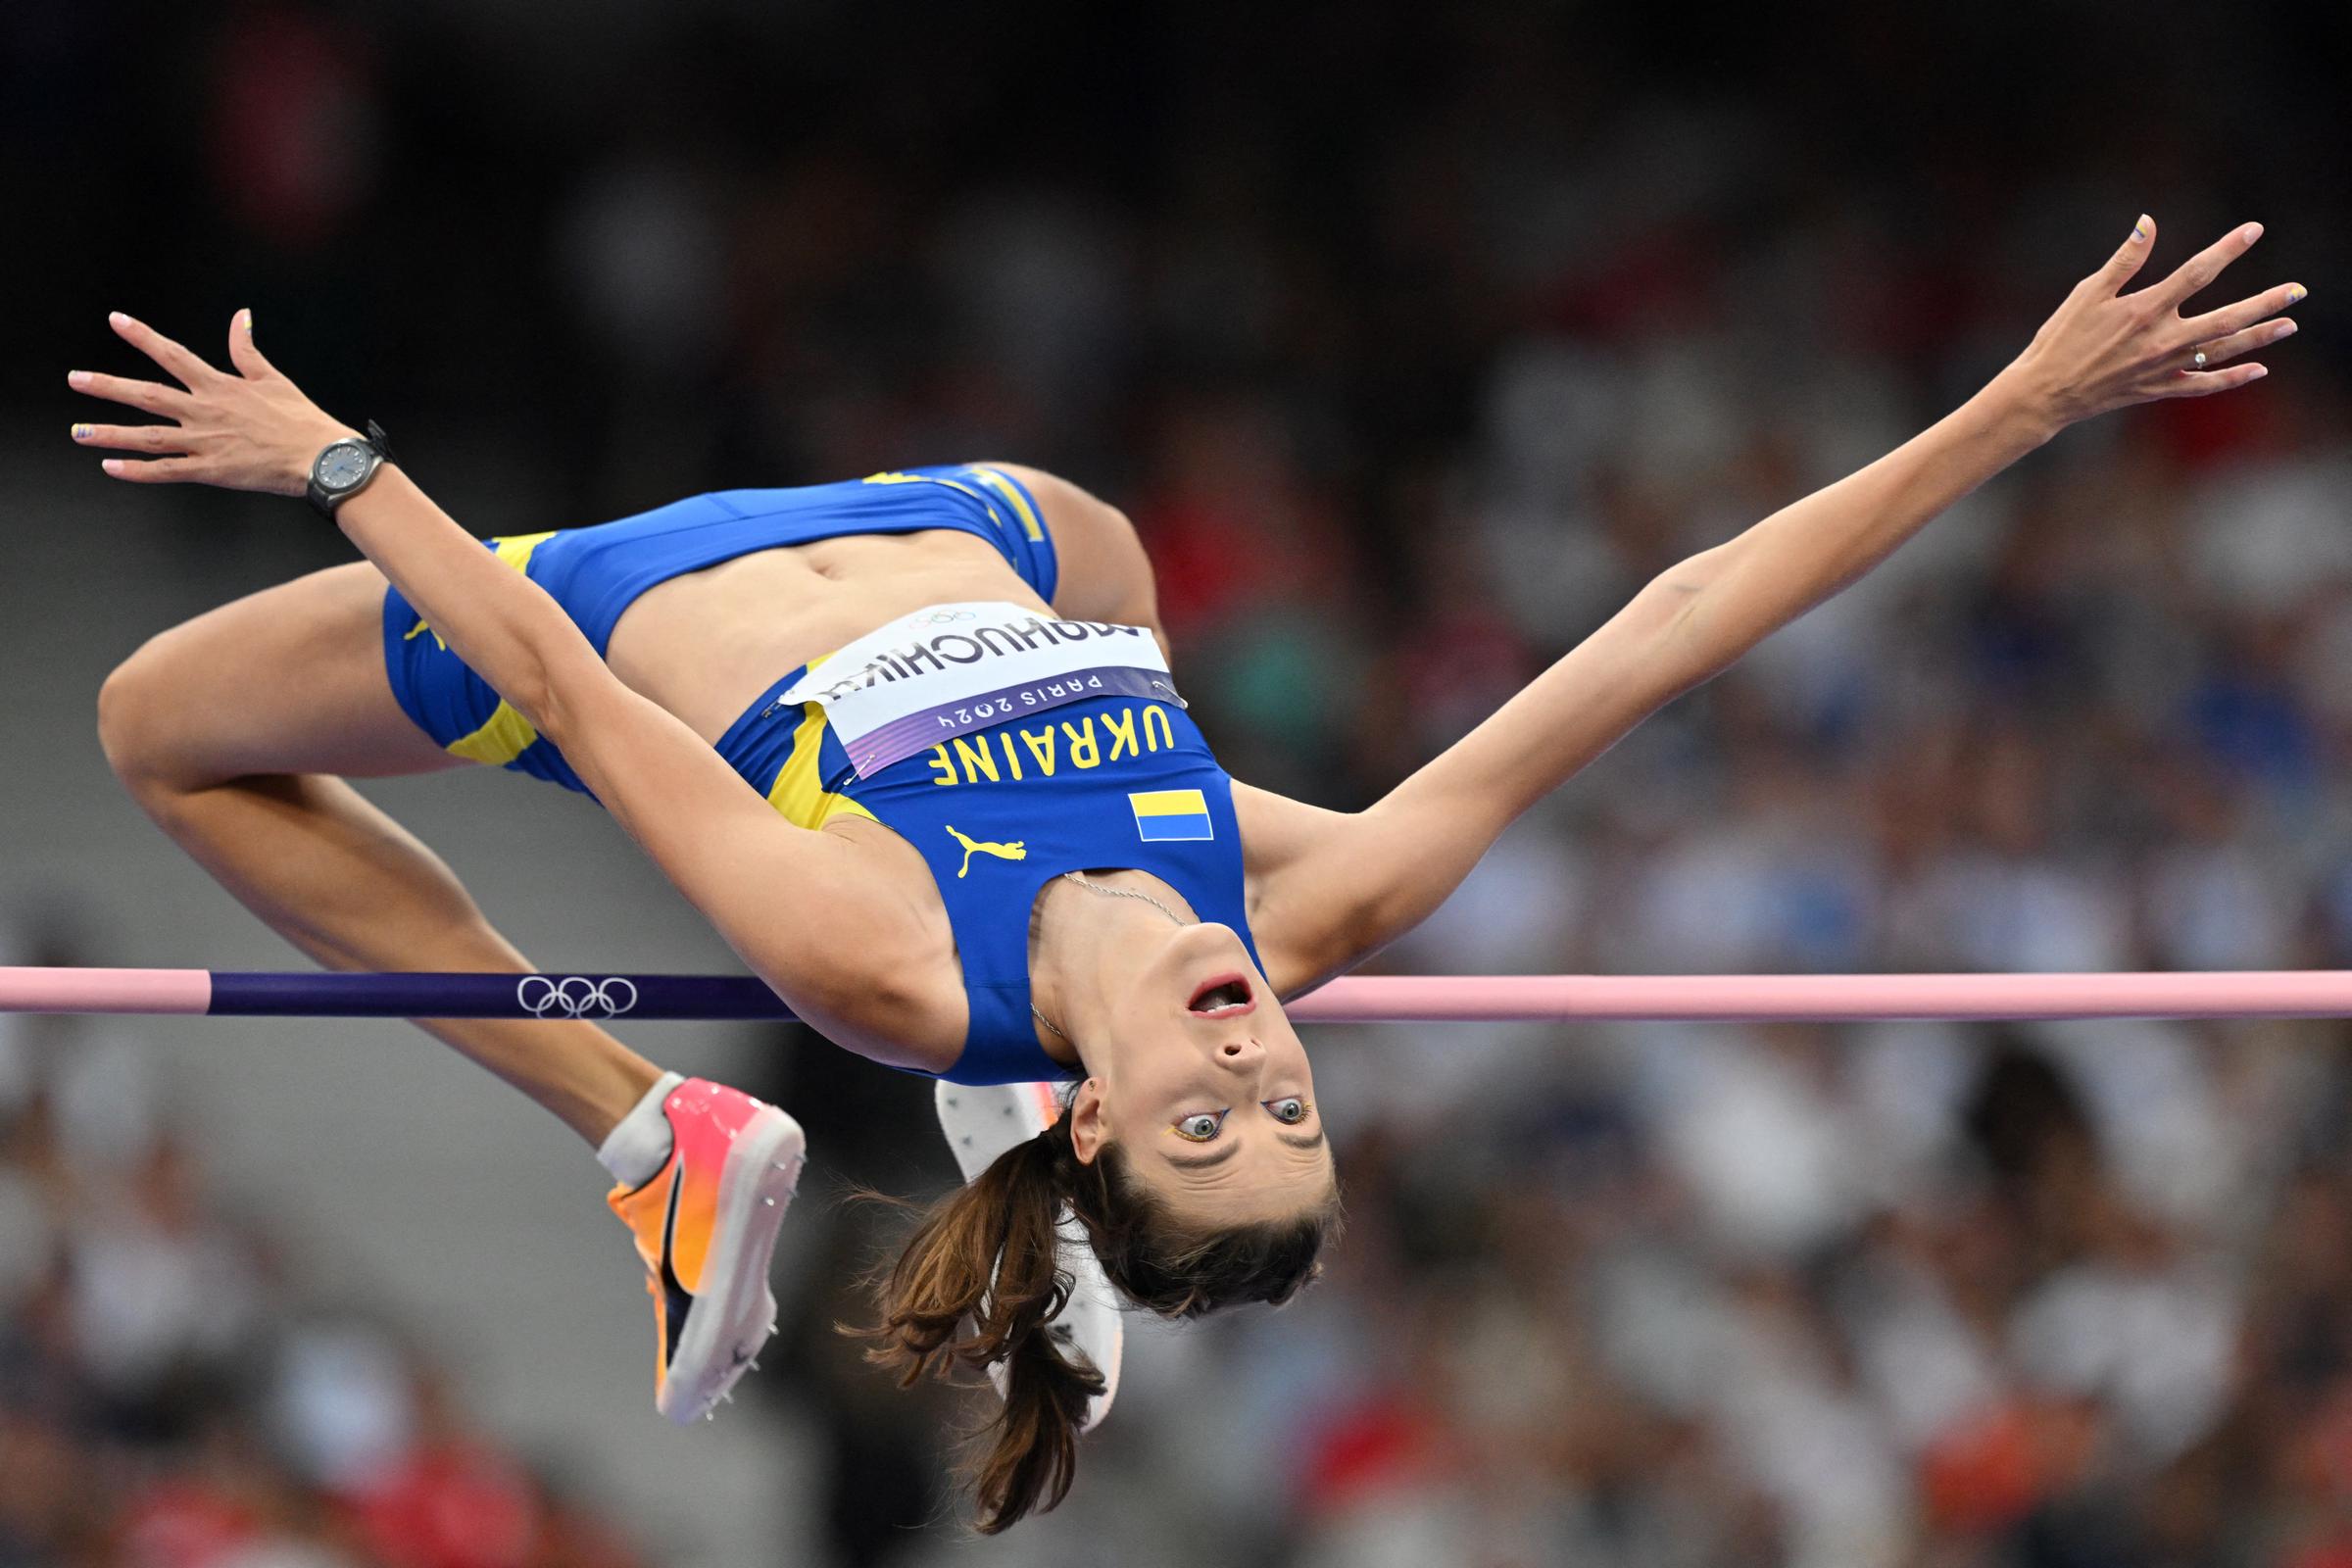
1391, 999
105, 990
1756, 997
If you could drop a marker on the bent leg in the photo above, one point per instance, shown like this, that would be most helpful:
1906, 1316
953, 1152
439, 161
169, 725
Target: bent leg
230, 731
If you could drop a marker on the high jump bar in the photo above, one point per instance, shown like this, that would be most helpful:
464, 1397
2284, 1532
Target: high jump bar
1360, 998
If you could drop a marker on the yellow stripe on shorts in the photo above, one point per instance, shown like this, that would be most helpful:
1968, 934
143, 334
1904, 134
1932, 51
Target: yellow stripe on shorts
505, 734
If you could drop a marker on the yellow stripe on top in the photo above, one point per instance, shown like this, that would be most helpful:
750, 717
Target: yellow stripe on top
798, 792
505, 734
1012, 493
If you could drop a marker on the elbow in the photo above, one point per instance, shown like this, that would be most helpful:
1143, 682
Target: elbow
565, 684
1674, 606
534, 692
1692, 575
1688, 643
1673, 610
1692, 599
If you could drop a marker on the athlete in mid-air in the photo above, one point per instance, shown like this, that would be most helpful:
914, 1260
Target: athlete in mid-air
912, 744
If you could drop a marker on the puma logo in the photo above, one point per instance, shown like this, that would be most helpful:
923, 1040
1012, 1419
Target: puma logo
1017, 849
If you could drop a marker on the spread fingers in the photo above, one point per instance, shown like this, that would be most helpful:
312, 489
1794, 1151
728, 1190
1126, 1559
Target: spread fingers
186, 366
152, 396
2244, 314
2204, 267
2222, 350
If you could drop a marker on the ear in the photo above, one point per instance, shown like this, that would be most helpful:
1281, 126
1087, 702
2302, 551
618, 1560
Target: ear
1087, 1133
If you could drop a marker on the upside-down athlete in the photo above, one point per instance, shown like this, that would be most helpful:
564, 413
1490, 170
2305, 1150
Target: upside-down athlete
912, 744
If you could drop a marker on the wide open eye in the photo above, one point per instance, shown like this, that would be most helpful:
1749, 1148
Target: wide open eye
1290, 1110
1201, 1127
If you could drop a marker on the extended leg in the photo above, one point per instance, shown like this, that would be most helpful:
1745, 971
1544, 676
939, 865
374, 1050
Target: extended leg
229, 731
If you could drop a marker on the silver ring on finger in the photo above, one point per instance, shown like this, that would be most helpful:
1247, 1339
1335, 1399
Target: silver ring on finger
2198, 361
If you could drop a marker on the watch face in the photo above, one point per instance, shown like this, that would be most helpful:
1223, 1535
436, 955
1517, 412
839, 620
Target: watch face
343, 465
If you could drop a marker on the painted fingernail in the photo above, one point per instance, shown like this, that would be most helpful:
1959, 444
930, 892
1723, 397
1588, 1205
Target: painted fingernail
245, 321
2295, 293
82, 433
2139, 230
78, 378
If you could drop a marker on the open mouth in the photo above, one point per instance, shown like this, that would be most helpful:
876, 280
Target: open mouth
1226, 997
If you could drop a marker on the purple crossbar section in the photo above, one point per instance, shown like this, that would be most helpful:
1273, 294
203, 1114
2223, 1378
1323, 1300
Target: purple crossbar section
494, 996
1396, 999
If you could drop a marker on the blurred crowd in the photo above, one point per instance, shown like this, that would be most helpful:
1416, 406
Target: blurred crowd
178, 1393
1416, 340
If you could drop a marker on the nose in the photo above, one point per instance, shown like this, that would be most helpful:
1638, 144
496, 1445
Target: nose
1239, 1052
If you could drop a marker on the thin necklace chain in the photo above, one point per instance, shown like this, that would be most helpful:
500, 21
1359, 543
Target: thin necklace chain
1109, 893
1123, 892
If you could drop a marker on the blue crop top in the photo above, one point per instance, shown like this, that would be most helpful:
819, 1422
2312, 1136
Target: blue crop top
1073, 781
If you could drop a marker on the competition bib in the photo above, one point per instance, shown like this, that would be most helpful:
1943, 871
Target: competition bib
948, 669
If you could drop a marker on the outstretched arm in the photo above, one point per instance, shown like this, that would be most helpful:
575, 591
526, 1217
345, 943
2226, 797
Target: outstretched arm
1388, 868
719, 841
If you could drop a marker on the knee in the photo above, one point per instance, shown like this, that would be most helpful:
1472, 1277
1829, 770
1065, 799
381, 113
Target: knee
132, 715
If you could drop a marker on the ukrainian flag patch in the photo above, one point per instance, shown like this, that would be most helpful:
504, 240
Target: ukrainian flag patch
1165, 815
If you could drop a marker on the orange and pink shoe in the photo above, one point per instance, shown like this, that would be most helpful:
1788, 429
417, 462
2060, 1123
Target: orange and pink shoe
706, 1226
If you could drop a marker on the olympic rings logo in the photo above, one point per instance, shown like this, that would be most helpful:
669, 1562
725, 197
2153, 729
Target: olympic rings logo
575, 997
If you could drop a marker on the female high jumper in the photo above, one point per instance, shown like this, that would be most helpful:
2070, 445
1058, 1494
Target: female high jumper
981, 840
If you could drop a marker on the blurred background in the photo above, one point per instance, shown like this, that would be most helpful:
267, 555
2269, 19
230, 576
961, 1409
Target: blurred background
1415, 339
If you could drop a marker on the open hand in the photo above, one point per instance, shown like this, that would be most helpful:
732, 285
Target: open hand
2105, 349
246, 429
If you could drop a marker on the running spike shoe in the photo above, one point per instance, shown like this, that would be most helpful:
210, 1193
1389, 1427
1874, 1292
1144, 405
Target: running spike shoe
705, 1227
981, 1122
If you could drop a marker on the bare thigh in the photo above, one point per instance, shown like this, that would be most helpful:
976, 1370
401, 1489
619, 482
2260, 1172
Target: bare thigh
287, 680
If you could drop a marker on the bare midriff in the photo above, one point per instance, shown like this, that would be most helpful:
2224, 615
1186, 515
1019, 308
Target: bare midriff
707, 644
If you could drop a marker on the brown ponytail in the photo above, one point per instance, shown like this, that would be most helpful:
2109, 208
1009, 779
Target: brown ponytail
1004, 1224
944, 1277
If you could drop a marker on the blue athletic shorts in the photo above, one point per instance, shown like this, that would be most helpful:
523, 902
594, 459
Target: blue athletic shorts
597, 572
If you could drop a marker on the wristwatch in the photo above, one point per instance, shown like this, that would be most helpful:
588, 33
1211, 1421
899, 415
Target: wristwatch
344, 468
